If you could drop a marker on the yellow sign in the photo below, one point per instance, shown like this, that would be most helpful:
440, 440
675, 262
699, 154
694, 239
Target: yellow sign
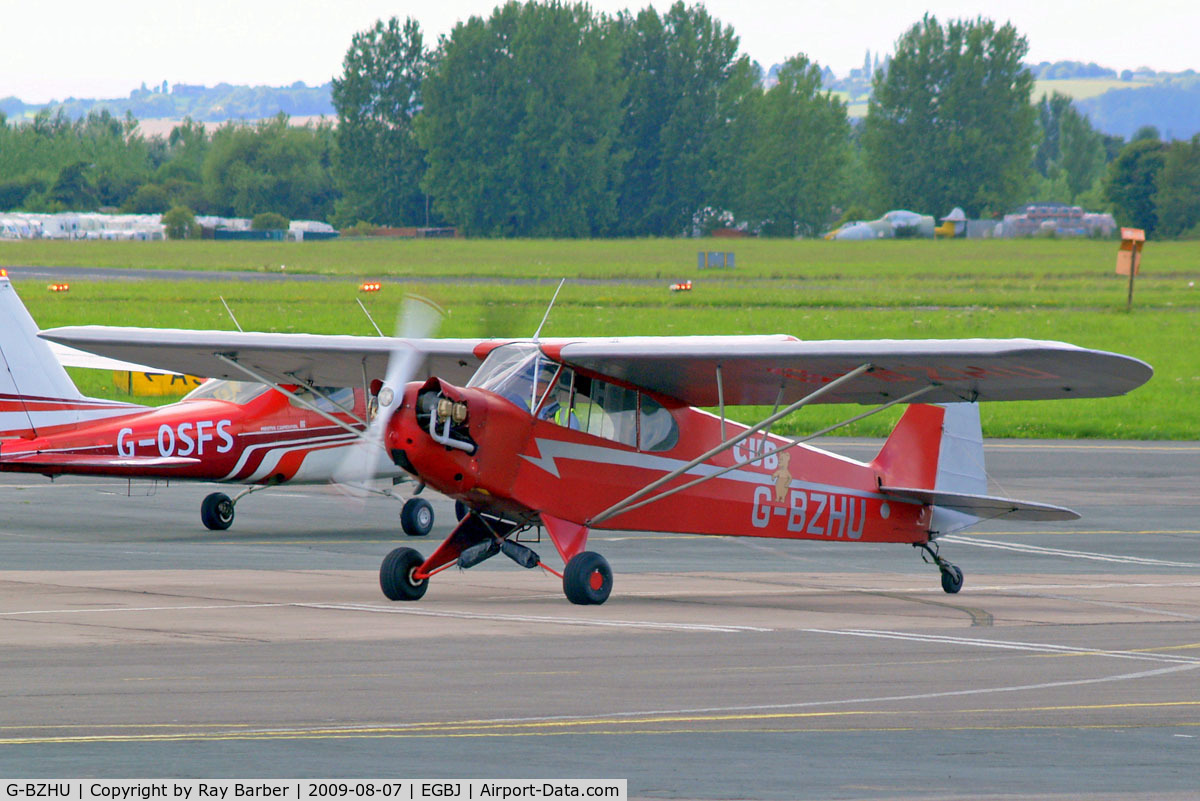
146, 384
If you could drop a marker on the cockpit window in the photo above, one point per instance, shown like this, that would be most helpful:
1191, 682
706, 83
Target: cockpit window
524, 376
239, 392
327, 399
519, 373
657, 428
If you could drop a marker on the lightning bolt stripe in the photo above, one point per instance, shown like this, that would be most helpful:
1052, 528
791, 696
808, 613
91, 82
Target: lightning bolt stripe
551, 450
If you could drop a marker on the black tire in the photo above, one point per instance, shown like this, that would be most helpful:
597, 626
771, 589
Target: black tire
460, 510
416, 518
587, 579
395, 575
952, 579
216, 512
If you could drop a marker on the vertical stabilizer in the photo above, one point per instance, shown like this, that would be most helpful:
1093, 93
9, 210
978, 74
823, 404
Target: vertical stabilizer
35, 391
937, 448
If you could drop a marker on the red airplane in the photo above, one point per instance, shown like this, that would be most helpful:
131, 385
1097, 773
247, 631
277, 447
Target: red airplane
239, 432
586, 434
575, 435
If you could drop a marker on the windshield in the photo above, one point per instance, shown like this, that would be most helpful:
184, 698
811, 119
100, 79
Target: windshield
239, 392
518, 373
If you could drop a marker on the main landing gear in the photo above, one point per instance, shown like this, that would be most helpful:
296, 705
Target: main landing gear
405, 573
587, 579
397, 575
217, 511
416, 517
952, 576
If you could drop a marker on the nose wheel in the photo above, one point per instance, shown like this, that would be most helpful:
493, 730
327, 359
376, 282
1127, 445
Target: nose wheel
952, 576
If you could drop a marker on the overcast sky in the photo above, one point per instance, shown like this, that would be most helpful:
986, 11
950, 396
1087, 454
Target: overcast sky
52, 49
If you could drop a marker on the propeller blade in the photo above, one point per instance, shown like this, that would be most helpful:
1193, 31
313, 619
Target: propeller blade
418, 319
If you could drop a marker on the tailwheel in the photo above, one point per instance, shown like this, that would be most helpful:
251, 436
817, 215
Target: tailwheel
396, 575
416, 518
587, 579
216, 512
952, 576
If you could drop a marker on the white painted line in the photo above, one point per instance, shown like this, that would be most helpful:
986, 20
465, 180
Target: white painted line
864, 700
461, 615
562, 621
1049, 648
1113, 605
1042, 551
138, 609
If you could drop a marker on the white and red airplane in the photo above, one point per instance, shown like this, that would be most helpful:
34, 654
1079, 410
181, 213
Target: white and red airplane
576, 435
237, 432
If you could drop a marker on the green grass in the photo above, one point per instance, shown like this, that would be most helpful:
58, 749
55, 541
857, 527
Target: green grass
801, 260
1043, 289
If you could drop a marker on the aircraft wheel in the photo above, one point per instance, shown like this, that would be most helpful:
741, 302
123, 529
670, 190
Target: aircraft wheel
396, 575
587, 579
460, 510
952, 579
216, 512
416, 518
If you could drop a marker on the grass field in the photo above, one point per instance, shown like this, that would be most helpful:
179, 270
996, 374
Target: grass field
1046, 289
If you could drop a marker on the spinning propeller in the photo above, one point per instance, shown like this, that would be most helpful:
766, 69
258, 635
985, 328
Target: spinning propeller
417, 319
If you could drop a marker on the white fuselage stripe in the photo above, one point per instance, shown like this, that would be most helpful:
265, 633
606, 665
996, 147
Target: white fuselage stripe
551, 450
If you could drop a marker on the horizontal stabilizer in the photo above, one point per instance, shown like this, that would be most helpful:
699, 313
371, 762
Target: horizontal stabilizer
984, 506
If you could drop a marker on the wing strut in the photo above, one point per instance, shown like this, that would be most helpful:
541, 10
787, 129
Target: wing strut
721, 398
279, 388
729, 443
627, 504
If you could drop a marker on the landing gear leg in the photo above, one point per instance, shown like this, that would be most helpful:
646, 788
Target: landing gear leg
952, 576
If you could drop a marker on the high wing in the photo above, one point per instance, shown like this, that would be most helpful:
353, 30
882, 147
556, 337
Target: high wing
317, 359
71, 357
754, 369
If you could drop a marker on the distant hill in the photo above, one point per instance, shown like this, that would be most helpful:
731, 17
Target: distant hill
201, 103
1171, 106
1116, 104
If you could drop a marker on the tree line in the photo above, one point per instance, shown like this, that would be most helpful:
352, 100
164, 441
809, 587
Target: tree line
53, 164
205, 103
550, 119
